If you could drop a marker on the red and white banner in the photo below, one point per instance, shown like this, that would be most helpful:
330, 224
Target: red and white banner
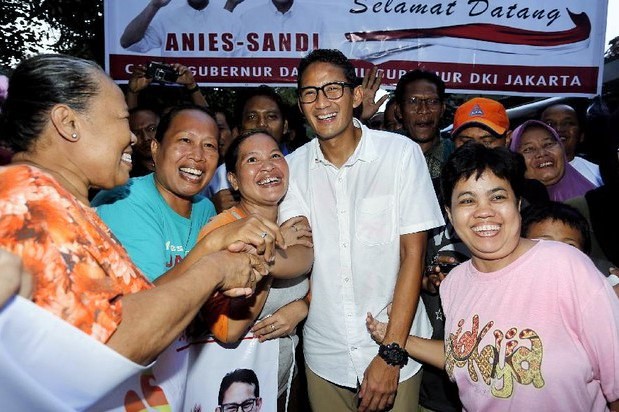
548, 48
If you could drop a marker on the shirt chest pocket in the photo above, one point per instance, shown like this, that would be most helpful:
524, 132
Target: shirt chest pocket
375, 220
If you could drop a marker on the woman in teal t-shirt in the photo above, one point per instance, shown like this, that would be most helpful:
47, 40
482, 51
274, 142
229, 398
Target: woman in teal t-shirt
157, 217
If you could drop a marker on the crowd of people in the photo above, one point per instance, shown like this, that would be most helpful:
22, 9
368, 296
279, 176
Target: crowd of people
404, 268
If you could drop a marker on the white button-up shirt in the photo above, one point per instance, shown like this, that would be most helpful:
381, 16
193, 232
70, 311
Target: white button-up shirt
357, 214
303, 26
184, 31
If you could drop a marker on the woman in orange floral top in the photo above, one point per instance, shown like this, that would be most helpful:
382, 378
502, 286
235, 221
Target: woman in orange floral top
67, 123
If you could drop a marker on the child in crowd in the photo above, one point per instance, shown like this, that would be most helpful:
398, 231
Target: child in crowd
563, 223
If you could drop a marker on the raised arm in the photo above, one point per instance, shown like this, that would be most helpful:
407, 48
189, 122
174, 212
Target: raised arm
134, 32
371, 83
244, 312
185, 77
230, 5
137, 82
294, 261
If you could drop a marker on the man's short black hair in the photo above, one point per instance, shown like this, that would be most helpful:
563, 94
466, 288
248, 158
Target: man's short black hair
263, 90
247, 376
332, 56
419, 74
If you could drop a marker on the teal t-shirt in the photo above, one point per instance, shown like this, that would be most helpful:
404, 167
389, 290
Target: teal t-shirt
155, 236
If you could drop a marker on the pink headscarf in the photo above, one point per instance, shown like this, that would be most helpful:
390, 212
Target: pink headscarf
572, 184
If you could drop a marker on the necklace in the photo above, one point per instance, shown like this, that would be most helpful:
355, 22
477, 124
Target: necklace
186, 245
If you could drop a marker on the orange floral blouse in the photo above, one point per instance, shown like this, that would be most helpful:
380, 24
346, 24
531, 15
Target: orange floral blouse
80, 268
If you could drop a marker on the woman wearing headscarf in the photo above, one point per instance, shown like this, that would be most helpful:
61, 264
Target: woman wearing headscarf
546, 161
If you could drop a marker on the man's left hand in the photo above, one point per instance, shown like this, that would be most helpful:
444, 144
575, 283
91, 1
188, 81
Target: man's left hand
379, 386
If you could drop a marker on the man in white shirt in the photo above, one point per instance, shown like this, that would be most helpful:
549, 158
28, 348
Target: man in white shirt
369, 199
193, 28
564, 119
281, 28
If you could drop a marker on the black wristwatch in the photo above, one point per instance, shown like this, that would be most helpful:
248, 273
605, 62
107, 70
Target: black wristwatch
393, 354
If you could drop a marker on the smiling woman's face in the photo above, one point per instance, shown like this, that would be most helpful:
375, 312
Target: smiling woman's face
261, 174
543, 154
485, 214
186, 158
104, 130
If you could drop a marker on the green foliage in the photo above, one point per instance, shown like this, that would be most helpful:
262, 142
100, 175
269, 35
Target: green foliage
64, 26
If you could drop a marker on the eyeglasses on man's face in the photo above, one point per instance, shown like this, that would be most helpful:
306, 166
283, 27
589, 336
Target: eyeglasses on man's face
246, 406
332, 91
432, 103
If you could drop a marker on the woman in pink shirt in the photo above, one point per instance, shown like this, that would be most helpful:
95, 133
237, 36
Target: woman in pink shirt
530, 325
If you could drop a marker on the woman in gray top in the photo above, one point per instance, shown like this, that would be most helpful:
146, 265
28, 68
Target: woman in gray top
258, 171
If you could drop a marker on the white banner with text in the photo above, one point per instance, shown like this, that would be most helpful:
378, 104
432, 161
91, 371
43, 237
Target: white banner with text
518, 47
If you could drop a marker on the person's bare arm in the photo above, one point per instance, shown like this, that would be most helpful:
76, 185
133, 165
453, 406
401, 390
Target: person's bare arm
137, 82
370, 85
294, 261
298, 257
428, 351
284, 261
152, 319
254, 231
380, 380
13, 278
282, 322
243, 312
135, 30
185, 77
230, 5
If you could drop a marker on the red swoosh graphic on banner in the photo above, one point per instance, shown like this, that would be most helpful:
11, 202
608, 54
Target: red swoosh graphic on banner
487, 32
